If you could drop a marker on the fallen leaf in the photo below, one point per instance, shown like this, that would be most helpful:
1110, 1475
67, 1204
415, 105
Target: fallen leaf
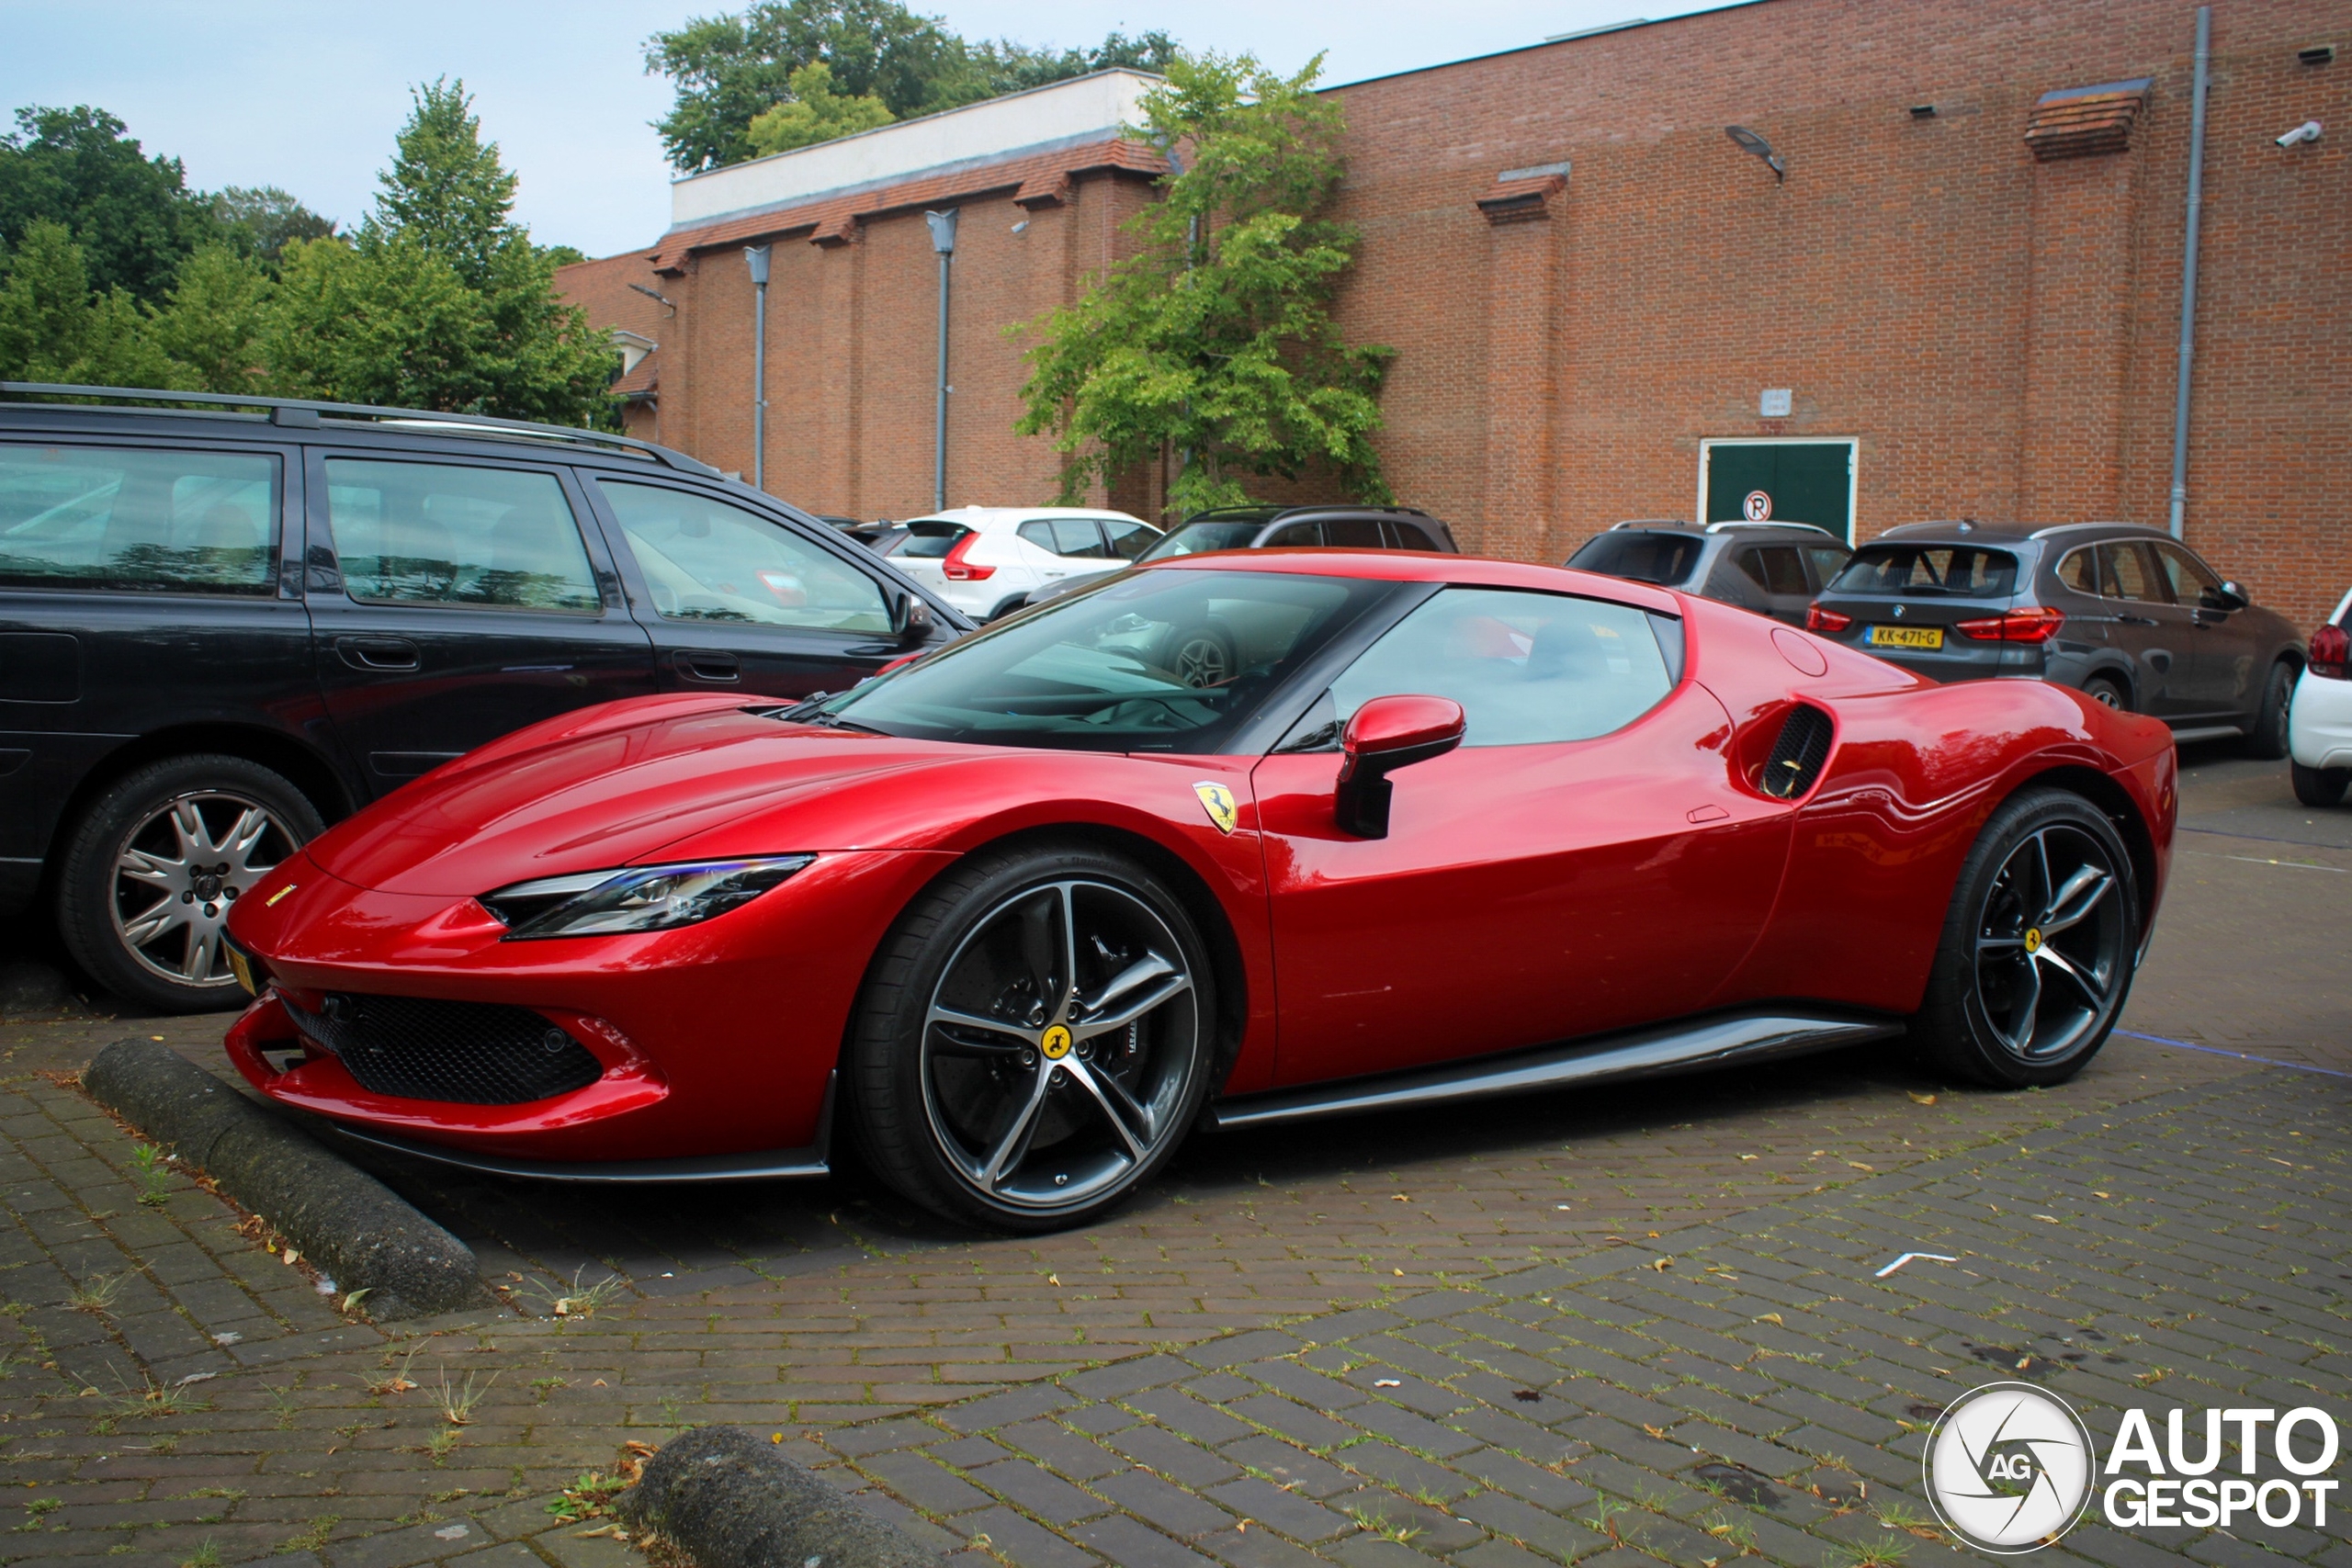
642, 1450
1748, 1156
1387, 1383
2099, 1194
2049, 1219
1772, 1317
1662, 1264
1653, 1235
1857, 1165
1653, 1431
1398, 1198
1920, 1099
292, 1255
2287, 1163
775, 1437
1399, 1272
2024, 1361
1053, 1280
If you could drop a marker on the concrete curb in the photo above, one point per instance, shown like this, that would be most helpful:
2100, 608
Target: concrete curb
733, 1500
345, 1221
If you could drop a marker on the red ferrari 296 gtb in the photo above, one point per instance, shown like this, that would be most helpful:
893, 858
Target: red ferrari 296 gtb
1019, 916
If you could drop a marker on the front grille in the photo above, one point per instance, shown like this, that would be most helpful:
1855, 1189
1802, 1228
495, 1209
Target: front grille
470, 1053
1798, 753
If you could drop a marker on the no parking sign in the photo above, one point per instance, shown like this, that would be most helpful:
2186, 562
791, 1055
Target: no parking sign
1758, 506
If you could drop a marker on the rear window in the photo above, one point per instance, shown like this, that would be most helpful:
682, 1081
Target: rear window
122, 518
931, 541
1663, 559
1954, 570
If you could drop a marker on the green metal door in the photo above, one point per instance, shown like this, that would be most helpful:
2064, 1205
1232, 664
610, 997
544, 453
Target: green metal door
1784, 481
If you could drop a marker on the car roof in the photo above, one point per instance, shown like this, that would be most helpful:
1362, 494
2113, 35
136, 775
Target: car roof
977, 516
1269, 512
1425, 566
1686, 528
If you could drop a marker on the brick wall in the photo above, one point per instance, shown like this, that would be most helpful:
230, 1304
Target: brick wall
1996, 332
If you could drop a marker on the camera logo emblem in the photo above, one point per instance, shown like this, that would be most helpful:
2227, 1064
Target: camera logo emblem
2008, 1468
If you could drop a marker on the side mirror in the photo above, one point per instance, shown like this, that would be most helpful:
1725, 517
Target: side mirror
2235, 597
910, 620
1387, 734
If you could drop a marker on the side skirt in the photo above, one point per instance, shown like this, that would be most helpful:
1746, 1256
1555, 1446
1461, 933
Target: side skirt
1691, 1046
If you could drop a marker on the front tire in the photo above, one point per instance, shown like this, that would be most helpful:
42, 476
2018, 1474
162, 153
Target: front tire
2036, 958
1034, 1039
154, 864
2268, 738
2320, 787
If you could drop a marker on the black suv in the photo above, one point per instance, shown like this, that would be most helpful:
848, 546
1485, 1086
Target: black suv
1773, 568
2126, 614
1276, 527
222, 629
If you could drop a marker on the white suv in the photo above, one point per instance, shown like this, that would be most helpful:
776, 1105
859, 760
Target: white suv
986, 560
2319, 725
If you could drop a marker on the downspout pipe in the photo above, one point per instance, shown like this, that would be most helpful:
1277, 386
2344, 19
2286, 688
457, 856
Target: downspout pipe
2189, 272
943, 240
757, 258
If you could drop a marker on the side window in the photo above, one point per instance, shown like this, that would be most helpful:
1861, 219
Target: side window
2190, 581
2124, 573
1783, 571
1040, 534
707, 560
2079, 571
1353, 533
1079, 536
127, 519
1297, 533
1404, 535
1527, 667
1827, 561
1129, 540
442, 534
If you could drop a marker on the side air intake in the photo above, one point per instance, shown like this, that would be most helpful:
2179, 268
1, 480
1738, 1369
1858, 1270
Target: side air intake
1798, 753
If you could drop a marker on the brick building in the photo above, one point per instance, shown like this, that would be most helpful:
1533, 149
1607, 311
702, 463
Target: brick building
1962, 297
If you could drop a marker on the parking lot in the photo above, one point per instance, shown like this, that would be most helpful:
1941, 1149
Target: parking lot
1641, 1324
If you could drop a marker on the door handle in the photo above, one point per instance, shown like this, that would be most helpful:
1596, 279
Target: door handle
377, 653
2135, 620
698, 666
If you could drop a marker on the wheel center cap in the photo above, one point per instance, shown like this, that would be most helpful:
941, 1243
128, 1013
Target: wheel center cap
208, 887
1054, 1044
2033, 939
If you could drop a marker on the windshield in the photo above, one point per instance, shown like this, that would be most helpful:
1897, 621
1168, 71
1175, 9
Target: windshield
1663, 559
1168, 661
1200, 538
1960, 571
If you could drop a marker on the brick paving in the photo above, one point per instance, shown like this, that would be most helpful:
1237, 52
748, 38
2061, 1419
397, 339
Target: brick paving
1313, 1345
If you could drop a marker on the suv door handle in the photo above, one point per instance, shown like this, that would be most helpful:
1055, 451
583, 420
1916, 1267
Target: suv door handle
699, 666
377, 653
2135, 620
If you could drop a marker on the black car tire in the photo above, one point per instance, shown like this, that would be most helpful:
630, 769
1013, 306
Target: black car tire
937, 1106
100, 909
2320, 787
2108, 691
1996, 1011
2268, 738
1200, 655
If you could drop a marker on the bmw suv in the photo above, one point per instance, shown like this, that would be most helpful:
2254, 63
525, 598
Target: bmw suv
1774, 568
223, 625
2128, 615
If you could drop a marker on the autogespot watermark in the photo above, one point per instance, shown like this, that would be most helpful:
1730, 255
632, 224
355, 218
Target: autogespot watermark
2010, 1468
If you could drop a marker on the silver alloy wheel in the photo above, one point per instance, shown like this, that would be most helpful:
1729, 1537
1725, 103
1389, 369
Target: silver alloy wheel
1201, 662
2050, 943
178, 871
1060, 1045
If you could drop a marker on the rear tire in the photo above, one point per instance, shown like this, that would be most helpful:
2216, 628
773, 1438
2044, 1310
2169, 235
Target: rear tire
1036, 1037
2108, 693
2035, 963
153, 865
2268, 738
2320, 787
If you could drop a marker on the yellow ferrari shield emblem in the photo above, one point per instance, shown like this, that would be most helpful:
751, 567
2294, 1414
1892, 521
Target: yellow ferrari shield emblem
1217, 801
1054, 1044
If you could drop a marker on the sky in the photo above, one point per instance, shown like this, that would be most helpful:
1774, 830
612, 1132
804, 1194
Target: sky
306, 95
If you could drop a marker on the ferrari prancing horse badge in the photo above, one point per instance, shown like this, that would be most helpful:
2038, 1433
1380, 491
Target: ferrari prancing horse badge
1217, 801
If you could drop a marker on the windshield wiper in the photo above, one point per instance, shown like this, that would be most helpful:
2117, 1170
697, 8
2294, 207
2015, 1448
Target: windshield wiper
809, 711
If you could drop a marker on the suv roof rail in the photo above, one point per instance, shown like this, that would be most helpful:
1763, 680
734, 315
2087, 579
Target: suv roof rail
1770, 522
2044, 533
304, 413
1651, 523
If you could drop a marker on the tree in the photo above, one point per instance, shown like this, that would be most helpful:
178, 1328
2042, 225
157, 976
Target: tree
55, 327
131, 214
1009, 67
214, 327
815, 113
730, 70
261, 220
440, 300
1216, 340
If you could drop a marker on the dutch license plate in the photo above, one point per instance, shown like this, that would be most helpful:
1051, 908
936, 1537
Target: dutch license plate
1906, 636
239, 966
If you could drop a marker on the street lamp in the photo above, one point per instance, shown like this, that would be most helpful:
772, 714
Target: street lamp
1747, 141
757, 258
943, 240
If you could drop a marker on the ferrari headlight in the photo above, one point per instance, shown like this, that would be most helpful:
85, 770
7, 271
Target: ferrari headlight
636, 899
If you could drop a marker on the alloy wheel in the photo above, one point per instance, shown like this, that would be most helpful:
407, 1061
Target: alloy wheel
2049, 945
1060, 1045
1202, 661
178, 871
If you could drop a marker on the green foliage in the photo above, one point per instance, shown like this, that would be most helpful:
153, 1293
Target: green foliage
259, 221
446, 193
1217, 340
214, 325
55, 327
815, 113
730, 72
133, 215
